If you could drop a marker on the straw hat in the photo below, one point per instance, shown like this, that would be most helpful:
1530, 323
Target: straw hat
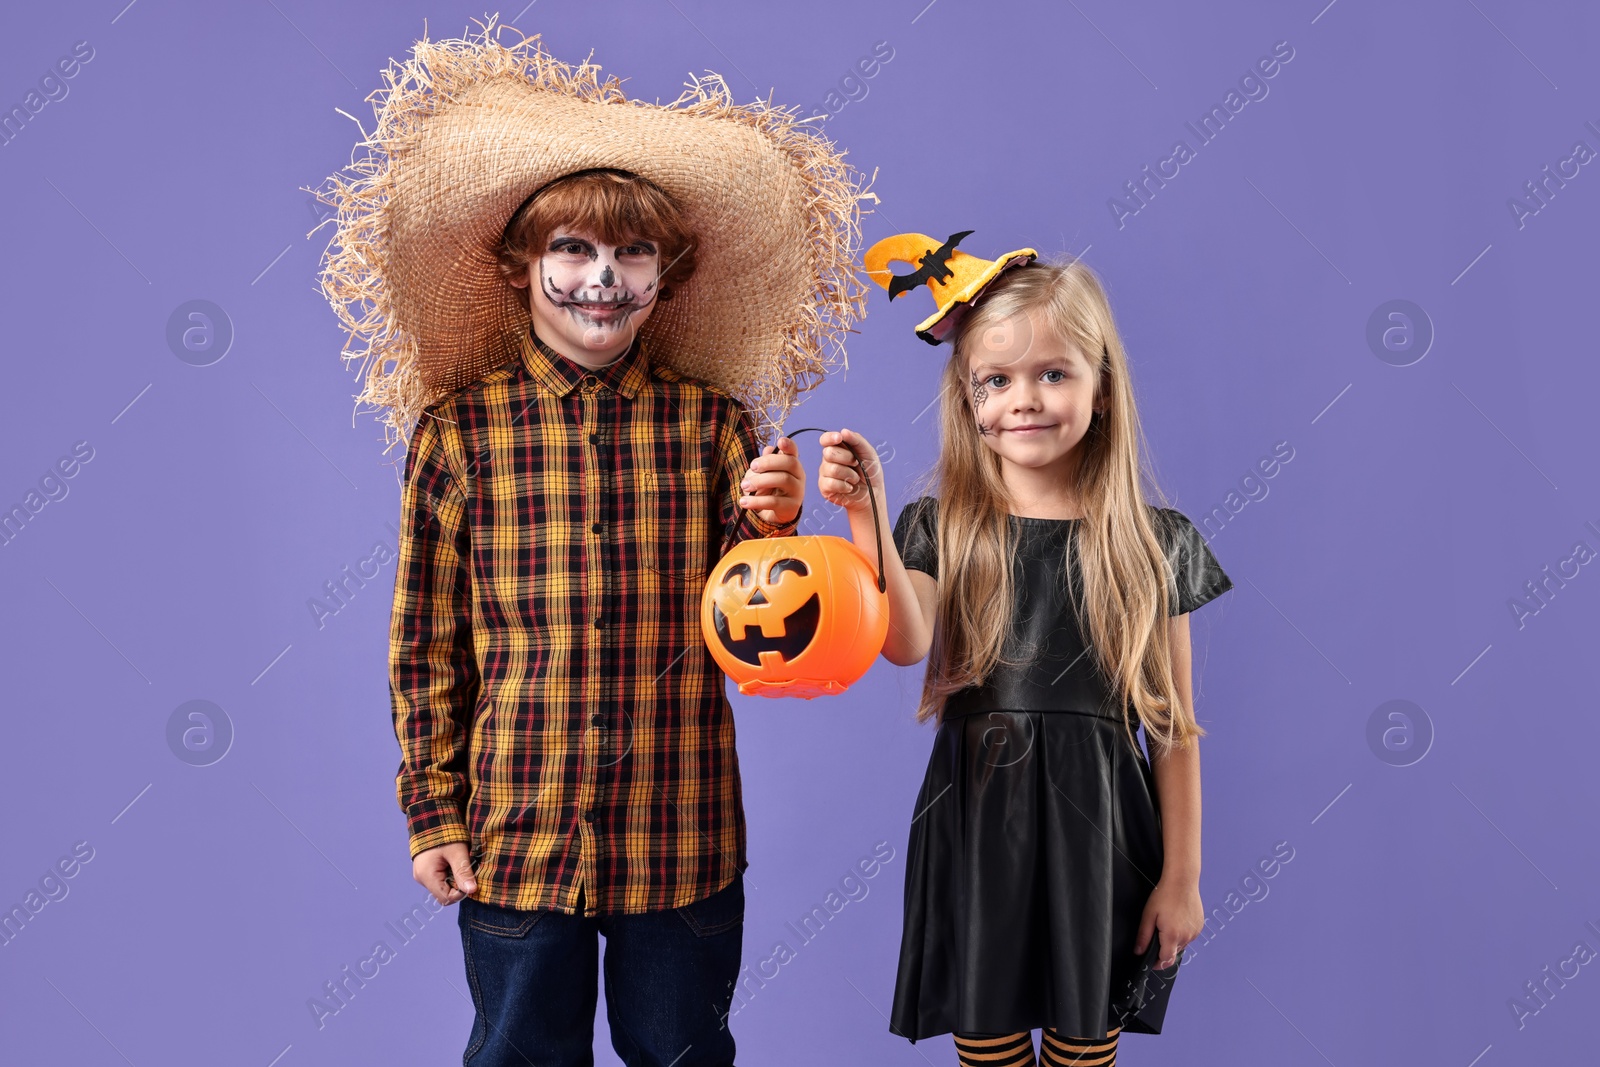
955, 278
468, 128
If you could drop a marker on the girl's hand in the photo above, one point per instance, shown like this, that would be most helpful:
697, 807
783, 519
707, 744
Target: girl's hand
1177, 912
847, 462
775, 485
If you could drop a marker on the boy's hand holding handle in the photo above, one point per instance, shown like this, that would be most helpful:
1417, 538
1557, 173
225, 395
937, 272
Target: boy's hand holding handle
431, 865
775, 485
848, 464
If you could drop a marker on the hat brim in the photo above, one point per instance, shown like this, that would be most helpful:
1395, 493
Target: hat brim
941, 325
467, 128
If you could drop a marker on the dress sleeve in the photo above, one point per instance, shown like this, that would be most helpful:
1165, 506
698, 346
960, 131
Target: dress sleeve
1200, 578
916, 535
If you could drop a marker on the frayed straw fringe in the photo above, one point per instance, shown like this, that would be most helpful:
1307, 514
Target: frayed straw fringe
355, 266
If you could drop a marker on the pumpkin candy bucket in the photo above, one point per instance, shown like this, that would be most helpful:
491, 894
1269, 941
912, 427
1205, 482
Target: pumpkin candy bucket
796, 616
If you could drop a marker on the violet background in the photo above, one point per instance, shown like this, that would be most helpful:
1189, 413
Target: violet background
1380, 564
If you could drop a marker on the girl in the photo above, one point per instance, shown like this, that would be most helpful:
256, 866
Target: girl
1053, 871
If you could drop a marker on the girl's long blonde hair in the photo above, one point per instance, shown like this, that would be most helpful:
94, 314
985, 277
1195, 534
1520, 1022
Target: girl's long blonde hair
1127, 585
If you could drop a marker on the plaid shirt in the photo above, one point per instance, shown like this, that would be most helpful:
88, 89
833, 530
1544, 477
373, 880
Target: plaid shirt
554, 700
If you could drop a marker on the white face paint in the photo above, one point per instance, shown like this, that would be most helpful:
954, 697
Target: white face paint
593, 295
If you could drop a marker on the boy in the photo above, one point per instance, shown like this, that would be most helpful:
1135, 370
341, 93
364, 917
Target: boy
579, 309
601, 792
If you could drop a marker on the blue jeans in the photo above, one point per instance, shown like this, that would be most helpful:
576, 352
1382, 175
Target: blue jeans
669, 983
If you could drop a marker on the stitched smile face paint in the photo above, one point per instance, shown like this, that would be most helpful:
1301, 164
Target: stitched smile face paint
594, 296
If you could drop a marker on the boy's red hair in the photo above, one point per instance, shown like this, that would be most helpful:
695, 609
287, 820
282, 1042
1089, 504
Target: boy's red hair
614, 205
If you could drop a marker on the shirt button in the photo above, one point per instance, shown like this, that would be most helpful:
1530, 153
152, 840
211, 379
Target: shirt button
597, 720
595, 528
598, 625
594, 439
588, 816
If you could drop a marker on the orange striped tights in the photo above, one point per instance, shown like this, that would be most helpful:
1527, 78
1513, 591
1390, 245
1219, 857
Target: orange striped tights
1055, 1050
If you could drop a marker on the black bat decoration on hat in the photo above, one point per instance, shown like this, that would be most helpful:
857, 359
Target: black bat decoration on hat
932, 267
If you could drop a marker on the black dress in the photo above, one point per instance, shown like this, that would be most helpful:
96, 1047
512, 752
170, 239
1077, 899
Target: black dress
1036, 837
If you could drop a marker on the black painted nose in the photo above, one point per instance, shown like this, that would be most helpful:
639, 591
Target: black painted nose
757, 598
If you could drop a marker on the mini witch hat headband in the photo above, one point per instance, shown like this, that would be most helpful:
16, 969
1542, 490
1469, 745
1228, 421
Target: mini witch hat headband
955, 278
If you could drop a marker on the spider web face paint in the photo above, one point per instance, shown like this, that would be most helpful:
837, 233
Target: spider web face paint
980, 396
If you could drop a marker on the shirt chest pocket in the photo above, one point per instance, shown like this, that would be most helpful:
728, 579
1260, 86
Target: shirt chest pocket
673, 531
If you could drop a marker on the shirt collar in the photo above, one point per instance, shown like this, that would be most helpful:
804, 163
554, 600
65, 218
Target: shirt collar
625, 375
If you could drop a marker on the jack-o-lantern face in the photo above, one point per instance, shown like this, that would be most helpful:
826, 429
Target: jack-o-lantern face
794, 616
781, 608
